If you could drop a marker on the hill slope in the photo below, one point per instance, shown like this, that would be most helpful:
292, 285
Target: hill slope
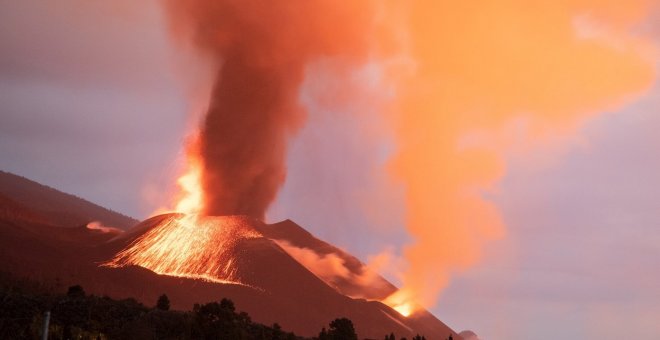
53, 206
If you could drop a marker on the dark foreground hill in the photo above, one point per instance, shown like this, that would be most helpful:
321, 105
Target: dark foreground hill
273, 284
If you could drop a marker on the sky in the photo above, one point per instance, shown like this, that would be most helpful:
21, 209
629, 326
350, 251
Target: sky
92, 102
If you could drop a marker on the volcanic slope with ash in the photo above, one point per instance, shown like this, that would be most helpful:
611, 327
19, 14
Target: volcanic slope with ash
237, 257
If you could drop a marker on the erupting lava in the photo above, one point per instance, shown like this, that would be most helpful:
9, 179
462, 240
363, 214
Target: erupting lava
191, 200
402, 303
187, 244
190, 246
404, 309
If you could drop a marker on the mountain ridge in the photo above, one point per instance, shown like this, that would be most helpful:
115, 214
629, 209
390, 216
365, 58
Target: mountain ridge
62, 208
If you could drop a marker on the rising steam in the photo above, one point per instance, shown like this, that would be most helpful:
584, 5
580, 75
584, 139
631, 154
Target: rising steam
473, 70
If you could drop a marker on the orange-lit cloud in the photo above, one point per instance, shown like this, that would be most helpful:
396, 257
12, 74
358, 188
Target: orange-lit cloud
327, 267
98, 226
332, 269
478, 68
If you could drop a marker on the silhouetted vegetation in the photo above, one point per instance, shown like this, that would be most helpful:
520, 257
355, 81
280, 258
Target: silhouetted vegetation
77, 315
163, 303
416, 337
340, 329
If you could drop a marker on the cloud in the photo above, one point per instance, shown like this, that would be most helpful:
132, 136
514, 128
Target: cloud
332, 269
469, 335
98, 226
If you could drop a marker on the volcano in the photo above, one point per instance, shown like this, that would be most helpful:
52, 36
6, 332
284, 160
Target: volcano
196, 259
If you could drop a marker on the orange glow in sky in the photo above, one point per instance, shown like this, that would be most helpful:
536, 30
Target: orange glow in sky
478, 72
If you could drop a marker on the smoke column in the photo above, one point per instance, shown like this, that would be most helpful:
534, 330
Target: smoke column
261, 49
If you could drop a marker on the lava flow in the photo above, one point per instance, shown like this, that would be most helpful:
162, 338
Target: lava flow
190, 246
402, 302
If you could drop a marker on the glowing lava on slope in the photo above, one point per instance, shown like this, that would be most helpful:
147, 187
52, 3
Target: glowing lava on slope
401, 302
190, 246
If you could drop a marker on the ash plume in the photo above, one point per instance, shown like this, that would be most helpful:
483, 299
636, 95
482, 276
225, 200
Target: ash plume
261, 49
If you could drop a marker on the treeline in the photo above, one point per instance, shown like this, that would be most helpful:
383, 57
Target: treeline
77, 315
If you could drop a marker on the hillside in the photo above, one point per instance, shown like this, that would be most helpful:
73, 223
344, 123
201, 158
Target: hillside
267, 279
49, 205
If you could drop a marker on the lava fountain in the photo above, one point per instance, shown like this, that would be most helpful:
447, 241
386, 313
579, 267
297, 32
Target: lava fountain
191, 200
190, 246
187, 244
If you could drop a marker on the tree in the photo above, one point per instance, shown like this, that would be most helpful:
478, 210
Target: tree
227, 305
72, 311
324, 334
277, 332
342, 329
219, 321
76, 291
163, 303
